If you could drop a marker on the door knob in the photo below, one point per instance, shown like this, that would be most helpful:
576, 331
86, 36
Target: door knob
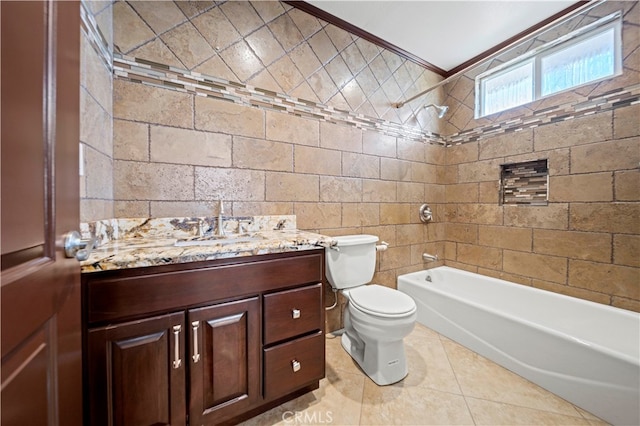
75, 246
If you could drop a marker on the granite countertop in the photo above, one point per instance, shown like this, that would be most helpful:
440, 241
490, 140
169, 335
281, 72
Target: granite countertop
142, 242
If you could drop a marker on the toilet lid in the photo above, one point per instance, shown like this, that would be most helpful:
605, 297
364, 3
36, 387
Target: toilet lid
381, 301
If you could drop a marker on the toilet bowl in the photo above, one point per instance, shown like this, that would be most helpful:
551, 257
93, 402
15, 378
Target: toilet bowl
376, 318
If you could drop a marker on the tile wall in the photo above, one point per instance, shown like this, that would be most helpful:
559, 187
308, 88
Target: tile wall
176, 152
586, 241
96, 106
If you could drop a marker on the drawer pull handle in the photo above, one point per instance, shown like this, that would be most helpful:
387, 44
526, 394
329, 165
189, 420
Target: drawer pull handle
177, 362
295, 365
196, 354
295, 313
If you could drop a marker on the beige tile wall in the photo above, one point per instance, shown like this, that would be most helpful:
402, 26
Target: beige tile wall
335, 179
177, 154
585, 243
96, 133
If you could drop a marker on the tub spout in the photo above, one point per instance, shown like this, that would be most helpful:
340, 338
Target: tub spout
429, 257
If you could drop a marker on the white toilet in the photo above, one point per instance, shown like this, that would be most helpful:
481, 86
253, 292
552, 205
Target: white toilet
376, 318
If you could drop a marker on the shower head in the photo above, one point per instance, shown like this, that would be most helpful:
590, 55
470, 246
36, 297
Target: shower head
442, 110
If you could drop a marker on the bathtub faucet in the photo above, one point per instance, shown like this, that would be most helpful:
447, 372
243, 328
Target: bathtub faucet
429, 257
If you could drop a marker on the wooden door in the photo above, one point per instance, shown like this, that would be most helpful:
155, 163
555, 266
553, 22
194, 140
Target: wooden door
41, 381
137, 372
225, 376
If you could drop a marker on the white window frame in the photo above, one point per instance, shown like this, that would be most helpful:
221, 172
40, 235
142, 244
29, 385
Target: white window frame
594, 29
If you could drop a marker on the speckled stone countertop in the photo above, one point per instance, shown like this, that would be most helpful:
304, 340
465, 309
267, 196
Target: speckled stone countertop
142, 242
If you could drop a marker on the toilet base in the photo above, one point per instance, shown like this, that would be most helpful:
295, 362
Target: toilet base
384, 362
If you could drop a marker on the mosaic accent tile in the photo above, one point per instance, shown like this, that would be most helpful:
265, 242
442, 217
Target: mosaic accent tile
524, 183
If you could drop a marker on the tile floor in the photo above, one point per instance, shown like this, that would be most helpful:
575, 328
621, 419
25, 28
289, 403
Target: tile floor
447, 385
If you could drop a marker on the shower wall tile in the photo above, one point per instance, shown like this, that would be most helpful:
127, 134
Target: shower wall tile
626, 250
627, 185
485, 257
612, 155
213, 183
625, 122
553, 216
605, 278
532, 265
411, 233
616, 218
462, 232
513, 143
583, 187
571, 133
505, 237
340, 137
394, 213
411, 192
574, 245
462, 193
360, 165
394, 169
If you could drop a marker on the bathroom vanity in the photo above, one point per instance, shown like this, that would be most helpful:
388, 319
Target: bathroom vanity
204, 342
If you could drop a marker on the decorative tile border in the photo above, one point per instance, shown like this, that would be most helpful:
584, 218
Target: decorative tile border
611, 100
168, 77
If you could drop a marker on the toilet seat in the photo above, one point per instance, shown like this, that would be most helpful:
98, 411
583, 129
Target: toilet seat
381, 301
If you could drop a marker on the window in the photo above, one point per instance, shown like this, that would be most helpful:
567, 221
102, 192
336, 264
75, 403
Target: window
587, 55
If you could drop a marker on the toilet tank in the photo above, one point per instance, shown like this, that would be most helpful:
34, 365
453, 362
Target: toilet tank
352, 262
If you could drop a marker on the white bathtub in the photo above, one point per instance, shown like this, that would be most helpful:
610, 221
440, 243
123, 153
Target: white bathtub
585, 352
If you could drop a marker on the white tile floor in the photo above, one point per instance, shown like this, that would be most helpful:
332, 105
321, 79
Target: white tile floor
447, 385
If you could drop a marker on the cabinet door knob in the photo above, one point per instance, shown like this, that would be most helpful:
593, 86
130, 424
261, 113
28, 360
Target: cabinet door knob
177, 362
295, 313
196, 354
295, 365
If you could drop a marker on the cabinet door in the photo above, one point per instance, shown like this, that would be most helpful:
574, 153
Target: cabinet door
225, 360
136, 372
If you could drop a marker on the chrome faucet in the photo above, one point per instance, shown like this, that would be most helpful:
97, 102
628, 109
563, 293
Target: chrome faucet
220, 219
429, 257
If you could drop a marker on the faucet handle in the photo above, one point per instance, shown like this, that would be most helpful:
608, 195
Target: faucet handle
221, 207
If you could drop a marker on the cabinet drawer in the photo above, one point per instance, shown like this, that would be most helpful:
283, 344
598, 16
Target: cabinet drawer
292, 313
281, 376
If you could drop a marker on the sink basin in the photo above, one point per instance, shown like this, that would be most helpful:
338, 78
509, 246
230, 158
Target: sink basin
218, 240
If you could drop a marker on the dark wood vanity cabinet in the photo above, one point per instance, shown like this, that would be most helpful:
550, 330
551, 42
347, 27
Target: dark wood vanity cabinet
203, 343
